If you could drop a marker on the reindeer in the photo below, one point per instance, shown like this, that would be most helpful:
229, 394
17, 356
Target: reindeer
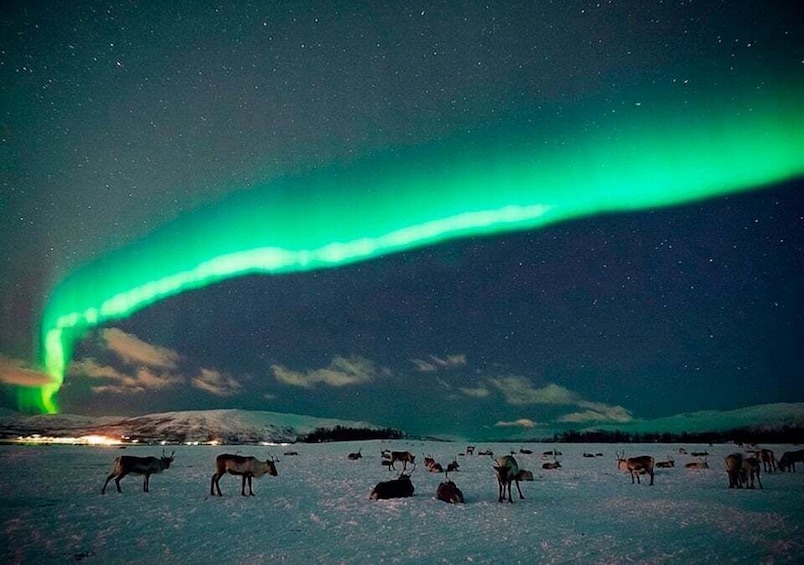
524, 451
452, 467
750, 469
126, 464
636, 465
401, 487
666, 464
470, 450
355, 456
768, 460
699, 453
551, 453
789, 459
449, 492
697, 465
554, 464
404, 456
506, 469
486, 452
588, 455
734, 466
246, 467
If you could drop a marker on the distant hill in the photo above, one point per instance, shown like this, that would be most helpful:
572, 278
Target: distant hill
225, 426
761, 417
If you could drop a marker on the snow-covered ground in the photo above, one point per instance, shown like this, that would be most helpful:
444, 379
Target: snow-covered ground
317, 510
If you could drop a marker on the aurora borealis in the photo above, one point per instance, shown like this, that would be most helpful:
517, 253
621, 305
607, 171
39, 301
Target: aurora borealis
678, 121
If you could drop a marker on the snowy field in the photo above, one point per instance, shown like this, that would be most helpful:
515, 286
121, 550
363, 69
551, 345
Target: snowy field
317, 510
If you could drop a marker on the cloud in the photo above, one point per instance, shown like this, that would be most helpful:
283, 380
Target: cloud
519, 391
216, 383
476, 392
20, 373
597, 412
521, 423
340, 372
433, 363
134, 351
120, 382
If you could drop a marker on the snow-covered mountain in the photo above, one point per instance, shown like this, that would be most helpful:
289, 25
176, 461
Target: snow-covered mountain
225, 426
761, 416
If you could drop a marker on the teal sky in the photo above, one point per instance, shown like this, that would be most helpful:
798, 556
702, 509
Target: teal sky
485, 187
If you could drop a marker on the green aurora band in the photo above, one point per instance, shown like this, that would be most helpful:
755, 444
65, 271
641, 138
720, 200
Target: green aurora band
399, 200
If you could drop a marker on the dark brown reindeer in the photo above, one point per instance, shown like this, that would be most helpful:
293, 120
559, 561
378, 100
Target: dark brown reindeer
448, 491
636, 465
750, 471
734, 467
129, 464
666, 464
789, 459
246, 467
401, 487
355, 456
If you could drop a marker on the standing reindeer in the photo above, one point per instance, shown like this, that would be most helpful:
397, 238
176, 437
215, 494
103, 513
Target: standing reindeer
404, 456
750, 470
789, 460
734, 468
506, 469
246, 467
768, 460
147, 466
636, 465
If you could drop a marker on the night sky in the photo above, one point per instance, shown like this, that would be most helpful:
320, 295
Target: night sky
129, 129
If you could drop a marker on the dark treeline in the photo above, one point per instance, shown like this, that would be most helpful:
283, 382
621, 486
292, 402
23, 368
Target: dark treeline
786, 434
341, 433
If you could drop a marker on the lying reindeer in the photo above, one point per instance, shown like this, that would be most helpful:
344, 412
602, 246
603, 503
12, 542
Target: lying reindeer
636, 465
127, 464
355, 456
246, 467
666, 464
400, 487
697, 465
449, 492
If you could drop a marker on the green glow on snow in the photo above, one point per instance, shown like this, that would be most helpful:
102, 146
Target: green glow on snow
383, 204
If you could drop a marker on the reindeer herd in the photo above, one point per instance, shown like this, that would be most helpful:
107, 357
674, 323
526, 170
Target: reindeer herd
742, 469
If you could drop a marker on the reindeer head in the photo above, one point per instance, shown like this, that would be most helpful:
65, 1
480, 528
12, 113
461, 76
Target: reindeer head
167, 459
272, 465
